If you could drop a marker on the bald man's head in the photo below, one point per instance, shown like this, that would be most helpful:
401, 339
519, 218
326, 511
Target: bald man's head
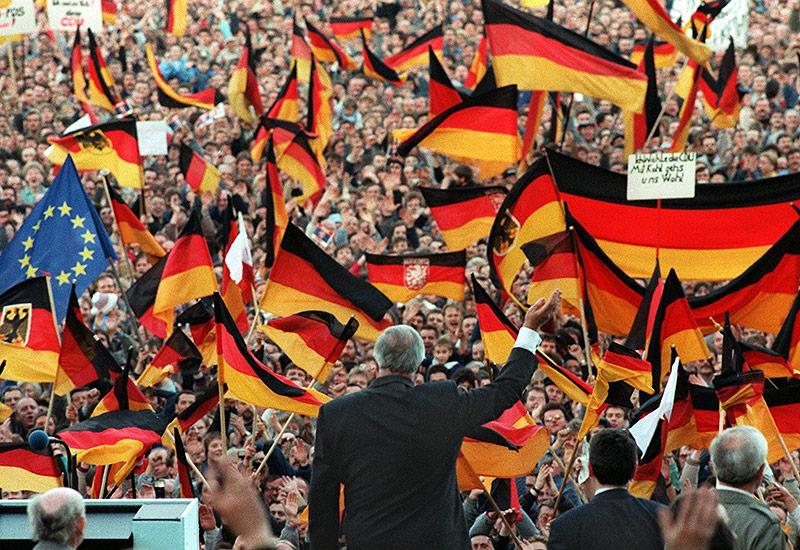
58, 516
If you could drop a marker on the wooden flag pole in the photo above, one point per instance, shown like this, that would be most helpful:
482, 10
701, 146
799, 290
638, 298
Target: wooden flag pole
58, 365
572, 478
566, 475
191, 464
788, 455
104, 480
223, 429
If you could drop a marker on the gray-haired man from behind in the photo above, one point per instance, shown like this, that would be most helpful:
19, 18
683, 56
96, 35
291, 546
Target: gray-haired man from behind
57, 519
738, 456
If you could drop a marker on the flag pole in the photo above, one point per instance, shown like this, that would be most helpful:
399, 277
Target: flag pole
664, 107
256, 315
58, 365
116, 221
566, 476
584, 330
104, 480
190, 462
222, 427
572, 478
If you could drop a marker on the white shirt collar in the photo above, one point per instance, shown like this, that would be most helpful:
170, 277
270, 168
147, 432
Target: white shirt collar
723, 487
614, 488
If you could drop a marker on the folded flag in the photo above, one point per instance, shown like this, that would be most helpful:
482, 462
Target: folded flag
639, 125
464, 216
401, 278
176, 17
79, 78
126, 395
481, 129
441, 92
23, 469
664, 53
415, 54
182, 464
320, 115
375, 68
178, 353
538, 54
497, 331
313, 340
203, 404
555, 265
112, 146
131, 229
326, 49
787, 342
243, 91
275, 206
168, 97
199, 318
303, 278
142, 296
249, 380
285, 105
686, 94
64, 237
300, 53
101, 84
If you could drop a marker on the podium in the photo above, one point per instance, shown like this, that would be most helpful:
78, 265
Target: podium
144, 524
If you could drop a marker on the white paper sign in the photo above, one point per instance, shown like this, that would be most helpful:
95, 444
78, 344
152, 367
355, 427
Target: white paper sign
152, 136
661, 176
17, 17
67, 15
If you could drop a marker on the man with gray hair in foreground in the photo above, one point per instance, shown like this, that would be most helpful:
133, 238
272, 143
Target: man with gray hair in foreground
394, 446
57, 519
738, 457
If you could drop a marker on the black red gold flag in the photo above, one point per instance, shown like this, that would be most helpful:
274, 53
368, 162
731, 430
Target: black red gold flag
251, 381
464, 216
497, 331
131, 229
199, 318
555, 265
243, 91
722, 97
415, 54
236, 296
478, 67
23, 469
275, 206
320, 114
686, 93
441, 92
532, 124
101, 84
639, 125
664, 53
198, 172
79, 78
375, 68
285, 105
300, 53
109, 9
176, 17
142, 296
313, 340
182, 464
304, 278
178, 353
168, 97
204, 403
126, 395
401, 278
346, 28
326, 49
299, 160
538, 54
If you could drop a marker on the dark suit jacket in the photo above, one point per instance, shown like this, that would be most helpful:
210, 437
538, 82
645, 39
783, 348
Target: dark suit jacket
613, 519
394, 447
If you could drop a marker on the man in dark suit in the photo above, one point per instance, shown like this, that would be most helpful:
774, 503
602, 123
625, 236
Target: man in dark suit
614, 518
394, 447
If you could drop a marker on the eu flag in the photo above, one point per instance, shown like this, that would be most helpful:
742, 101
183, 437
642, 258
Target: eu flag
62, 237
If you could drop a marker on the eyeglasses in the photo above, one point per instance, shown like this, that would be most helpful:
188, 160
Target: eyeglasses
553, 418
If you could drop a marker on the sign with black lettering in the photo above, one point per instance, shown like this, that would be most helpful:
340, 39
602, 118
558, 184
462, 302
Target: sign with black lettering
17, 17
661, 176
68, 15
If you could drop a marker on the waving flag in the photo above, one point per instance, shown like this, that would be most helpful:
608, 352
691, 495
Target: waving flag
168, 97
415, 53
272, 200
403, 277
131, 229
243, 91
23, 469
178, 353
142, 296
345, 28
441, 91
479, 64
199, 318
301, 53
664, 53
198, 173
639, 125
176, 17
101, 85
464, 216
285, 105
375, 68
326, 49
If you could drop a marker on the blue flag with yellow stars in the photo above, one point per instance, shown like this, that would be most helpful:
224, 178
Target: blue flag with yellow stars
62, 237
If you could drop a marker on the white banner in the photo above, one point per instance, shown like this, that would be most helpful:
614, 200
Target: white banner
17, 17
67, 15
661, 176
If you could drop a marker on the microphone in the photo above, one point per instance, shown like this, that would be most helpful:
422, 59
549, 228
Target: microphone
38, 440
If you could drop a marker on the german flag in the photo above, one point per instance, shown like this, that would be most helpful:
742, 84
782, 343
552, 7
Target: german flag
673, 326
401, 278
346, 28
272, 199
328, 50
142, 297
124, 396
304, 278
415, 54
83, 359
101, 84
320, 115
639, 125
131, 229
784, 405
29, 344
487, 83
532, 124
648, 469
464, 216
664, 53
374, 67
538, 54
182, 464
198, 173
112, 146
555, 265
497, 331
23, 469
481, 129
301, 53
168, 97
285, 105
313, 340
722, 98
770, 362
79, 78
478, 67
652, 14
178, 353
531, 211
686, 93
109, 9
299, 161
235, 296
176, 17
762, 296
642, 325
282, 132
203, 404
508, 447
707, 11
251, 381
116, 436
611, 297
188, 272
243, 92
619, 364
199, 318
441, 92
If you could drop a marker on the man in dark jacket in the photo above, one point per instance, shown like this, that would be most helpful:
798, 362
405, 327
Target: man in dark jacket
613, 518
394, 447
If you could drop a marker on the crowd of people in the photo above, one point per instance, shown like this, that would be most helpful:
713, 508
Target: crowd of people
371, 203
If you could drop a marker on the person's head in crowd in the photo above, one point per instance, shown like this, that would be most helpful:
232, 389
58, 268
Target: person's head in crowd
295, 374
215, 453
437, 373
554, 393
612, 457
548, 344
436, 319
481, 541
25, 413
465, 379
478, 351
452, 318
57, 517
617, 416
184, 400
399, 350
738, 457
483, 378
534, 398
358, 379
11, 396
442, 350
554, 417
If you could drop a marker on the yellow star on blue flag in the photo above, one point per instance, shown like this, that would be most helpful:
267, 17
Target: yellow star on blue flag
62, 237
